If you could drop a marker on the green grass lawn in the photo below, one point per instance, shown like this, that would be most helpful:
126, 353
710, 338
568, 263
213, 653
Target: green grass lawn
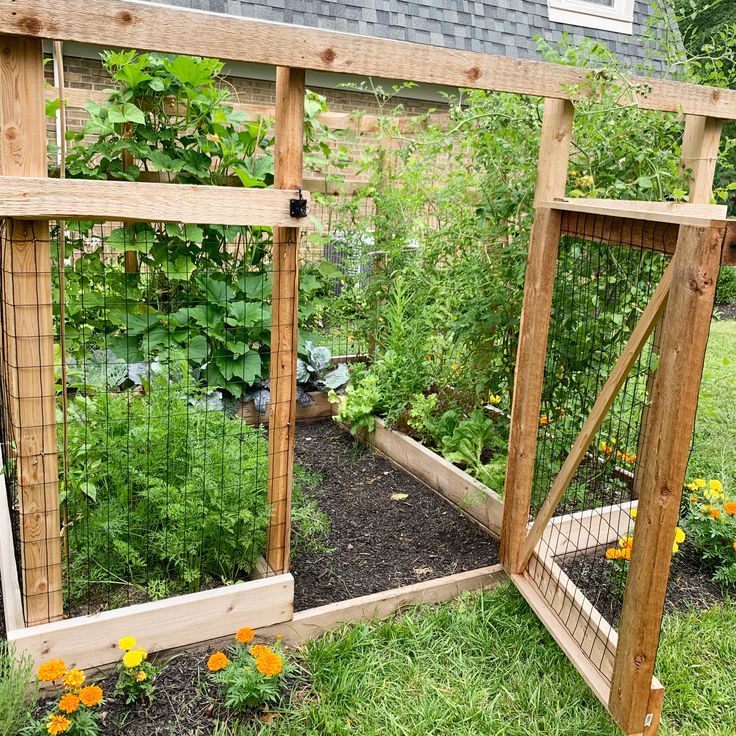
714, 447
485, 665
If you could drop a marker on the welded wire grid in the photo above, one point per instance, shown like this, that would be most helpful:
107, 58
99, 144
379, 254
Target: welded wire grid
338, 259
601, 288
152, 349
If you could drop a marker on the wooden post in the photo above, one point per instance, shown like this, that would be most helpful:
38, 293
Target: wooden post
662, 467
554, 154
282, 408
28, 340
700, 144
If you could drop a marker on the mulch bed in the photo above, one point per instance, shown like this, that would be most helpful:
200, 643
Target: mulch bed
377, 542
690, 585
724, 311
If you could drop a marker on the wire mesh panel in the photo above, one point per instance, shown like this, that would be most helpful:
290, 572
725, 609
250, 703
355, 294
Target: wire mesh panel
601, 291
161, 333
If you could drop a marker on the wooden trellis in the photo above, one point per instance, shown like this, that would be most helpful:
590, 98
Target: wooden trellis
695, 235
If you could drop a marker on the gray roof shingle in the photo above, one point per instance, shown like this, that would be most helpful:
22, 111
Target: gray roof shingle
507, 27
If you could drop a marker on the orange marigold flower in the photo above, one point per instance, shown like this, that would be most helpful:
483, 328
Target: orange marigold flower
730, 508
91, 695
74, 679
715, 514
626, 553
269, 664
543, 420
217, 661
258, 649
626, 542
141, 676
611, 553
58, 724
69, 703
51, 670
245, 635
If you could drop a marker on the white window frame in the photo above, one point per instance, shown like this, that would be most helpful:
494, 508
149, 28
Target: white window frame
618, 18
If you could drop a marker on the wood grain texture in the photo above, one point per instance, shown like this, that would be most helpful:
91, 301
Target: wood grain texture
28, 340
50, 199
146, 26
607, 395
316, 621
672, 212
701, 141
621, 230
474, 499
288, 164
91, 641
662, 465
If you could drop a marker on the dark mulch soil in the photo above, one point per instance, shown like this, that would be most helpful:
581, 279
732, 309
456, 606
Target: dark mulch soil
690, 585
185, 703
377, 542
725, 311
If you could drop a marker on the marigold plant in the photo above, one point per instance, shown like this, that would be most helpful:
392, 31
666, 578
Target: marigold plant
136, 674
710, 521
249, 676
74, 712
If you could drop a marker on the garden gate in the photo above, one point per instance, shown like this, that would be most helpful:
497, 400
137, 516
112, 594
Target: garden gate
650, 270
694, 237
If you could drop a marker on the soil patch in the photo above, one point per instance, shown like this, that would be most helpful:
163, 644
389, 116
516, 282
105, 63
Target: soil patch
690, 585
387, 529
724, 311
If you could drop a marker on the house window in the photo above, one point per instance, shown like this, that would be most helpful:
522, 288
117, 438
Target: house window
605, 15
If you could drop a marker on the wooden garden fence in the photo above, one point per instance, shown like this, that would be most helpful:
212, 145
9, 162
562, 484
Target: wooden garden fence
695, 236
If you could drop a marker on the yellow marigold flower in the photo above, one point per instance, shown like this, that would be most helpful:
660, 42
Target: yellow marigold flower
51, 670
269, 664
217, 661
258, 649
141, 676
69, 703
91, 695
144, 652
58, 724
245, 635
706, 509
679, 536
633, 513
675, 548
626, 553
133, 658
692, 487
730, 508
626, 542
715, 485
494, 399
612, 553
74, 679
699, 483
127, 643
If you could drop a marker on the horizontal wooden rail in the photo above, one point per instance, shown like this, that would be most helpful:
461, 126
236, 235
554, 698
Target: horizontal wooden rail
146, 26
50, 199
579, 628
665, 212
91, 641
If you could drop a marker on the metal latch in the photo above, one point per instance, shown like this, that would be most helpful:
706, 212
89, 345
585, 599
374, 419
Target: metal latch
298, 207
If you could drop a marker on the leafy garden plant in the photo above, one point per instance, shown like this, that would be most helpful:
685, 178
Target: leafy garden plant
252, 675
76, 711
17, 699
710, 521
136, 674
